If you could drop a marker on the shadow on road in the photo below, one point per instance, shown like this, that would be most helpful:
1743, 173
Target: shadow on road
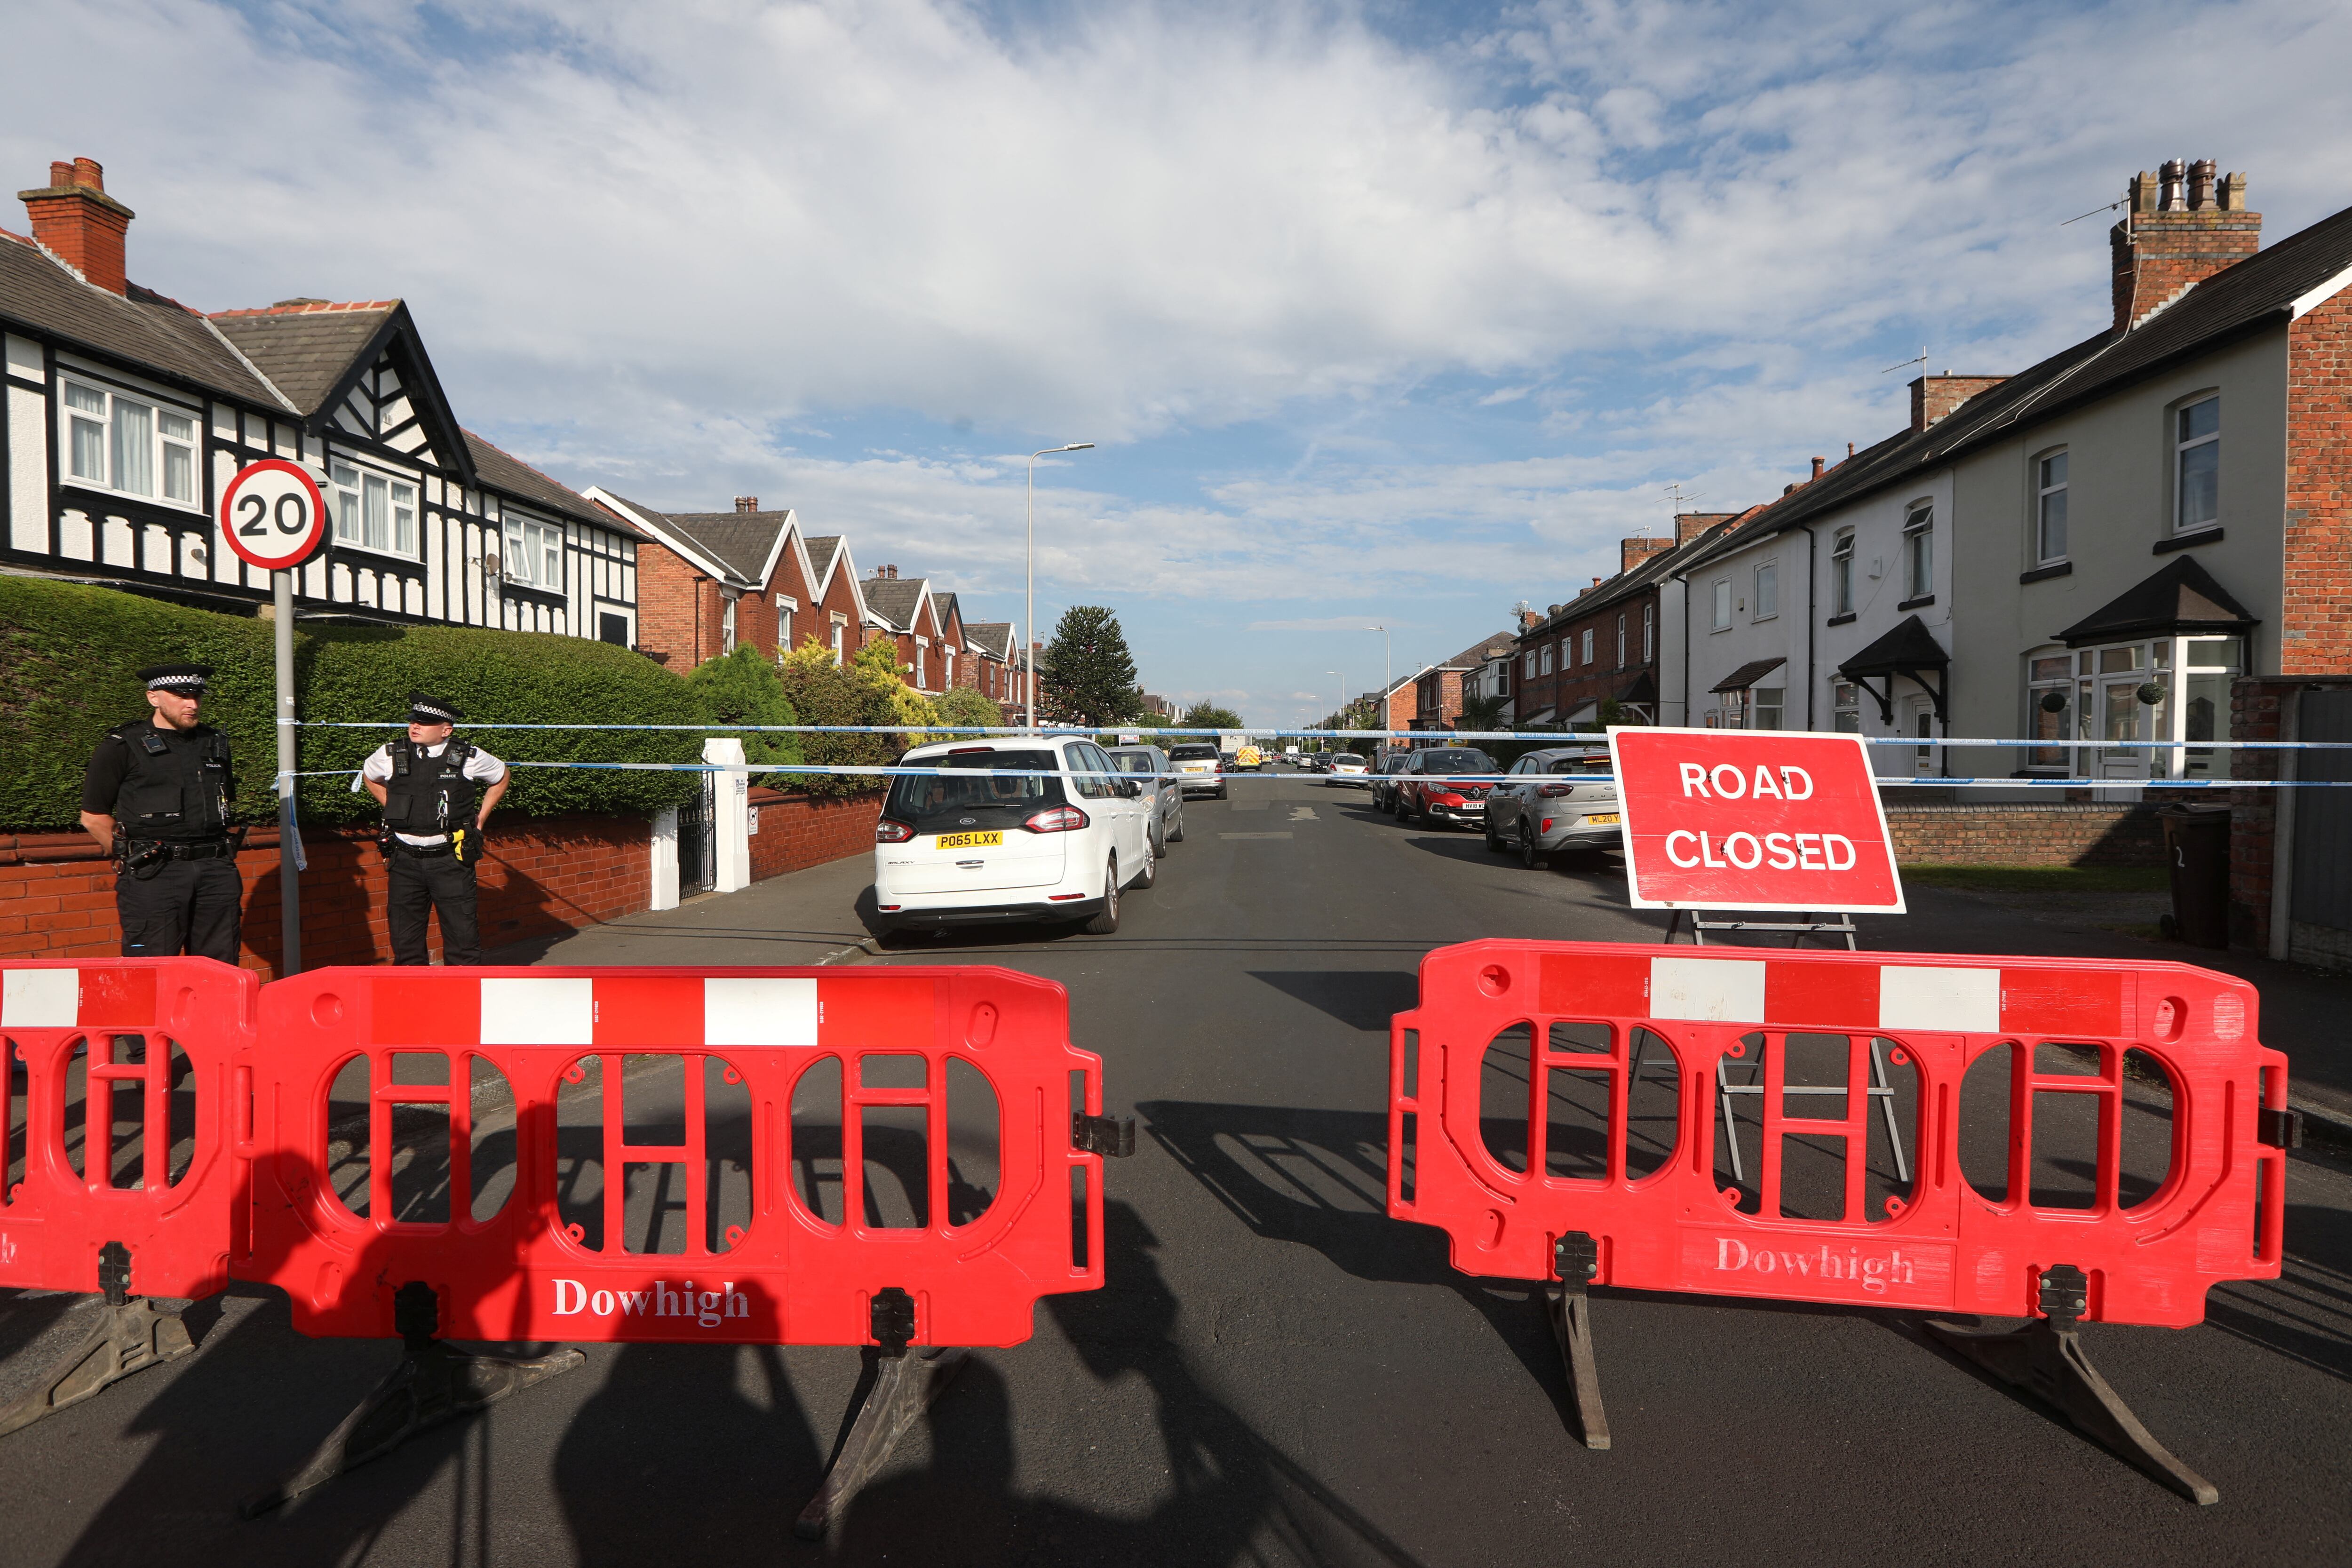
1359, 998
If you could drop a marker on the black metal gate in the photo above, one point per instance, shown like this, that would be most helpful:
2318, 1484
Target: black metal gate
2322, 893
698, 865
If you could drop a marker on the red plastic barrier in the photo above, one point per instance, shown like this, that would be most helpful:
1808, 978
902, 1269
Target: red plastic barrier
1943, 1246
81, 1187
789, 1276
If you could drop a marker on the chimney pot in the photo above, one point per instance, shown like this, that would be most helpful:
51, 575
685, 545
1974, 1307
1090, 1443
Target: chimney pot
1849, 450
1817, 467
76, 219
2200, 185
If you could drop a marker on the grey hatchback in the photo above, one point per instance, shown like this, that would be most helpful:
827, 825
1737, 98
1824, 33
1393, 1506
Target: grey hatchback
1160, 780
1541, 808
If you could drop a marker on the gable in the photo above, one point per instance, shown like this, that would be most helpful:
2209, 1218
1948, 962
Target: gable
380, 405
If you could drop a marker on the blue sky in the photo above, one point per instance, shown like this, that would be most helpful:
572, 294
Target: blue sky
1378, 313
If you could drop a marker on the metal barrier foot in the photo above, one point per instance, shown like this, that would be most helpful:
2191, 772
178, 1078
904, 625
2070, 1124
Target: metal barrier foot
1571, 1311
904, 1386
430, 1385
132, 1336
2046, 1358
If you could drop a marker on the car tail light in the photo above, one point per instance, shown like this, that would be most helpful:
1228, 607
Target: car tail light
888, 832
1059, 819
1554, 791
968, 750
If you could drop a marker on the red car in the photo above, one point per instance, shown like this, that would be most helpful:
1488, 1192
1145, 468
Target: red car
1447, 784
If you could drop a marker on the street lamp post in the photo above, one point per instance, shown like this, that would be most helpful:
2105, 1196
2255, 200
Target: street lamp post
1029, 608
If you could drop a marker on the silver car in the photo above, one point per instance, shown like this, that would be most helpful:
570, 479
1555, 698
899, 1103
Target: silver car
1347, 771
1160, 780
1542, 809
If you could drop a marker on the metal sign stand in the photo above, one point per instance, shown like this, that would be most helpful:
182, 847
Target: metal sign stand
1700, 925
289, 879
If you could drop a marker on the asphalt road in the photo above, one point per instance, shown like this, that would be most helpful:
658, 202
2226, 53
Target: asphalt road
1277, 1372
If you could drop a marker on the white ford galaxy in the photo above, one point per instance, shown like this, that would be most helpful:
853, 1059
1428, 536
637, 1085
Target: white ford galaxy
1016, 829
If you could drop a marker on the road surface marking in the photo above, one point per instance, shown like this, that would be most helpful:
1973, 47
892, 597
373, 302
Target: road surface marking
1253, 834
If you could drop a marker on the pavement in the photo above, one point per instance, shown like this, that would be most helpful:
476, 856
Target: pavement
1276, 1372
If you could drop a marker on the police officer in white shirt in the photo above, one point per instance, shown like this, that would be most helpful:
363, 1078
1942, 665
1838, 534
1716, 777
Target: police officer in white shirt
435, 807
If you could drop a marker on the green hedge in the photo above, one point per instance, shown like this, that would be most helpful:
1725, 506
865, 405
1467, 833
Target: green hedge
69, 653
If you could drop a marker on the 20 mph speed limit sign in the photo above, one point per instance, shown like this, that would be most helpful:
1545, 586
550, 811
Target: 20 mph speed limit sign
1745, 819
272, 514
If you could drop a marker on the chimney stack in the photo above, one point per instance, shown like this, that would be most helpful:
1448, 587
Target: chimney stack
1631, 552
75, 217
2178, 229
1817, 467
1934, 397
747, 503
1689, 525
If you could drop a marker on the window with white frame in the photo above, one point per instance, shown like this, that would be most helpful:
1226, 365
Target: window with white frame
1621, 642
1722, 618
1767, 590
922, 652
1547, 656
785, 605
1845, 707
534, 551
373, 511
1842, 573
840, 632
727, 627
2197, 466
1919, 550
1587, 653
2050, 507
1649, 632
1766, 706
131, 446
1530, 669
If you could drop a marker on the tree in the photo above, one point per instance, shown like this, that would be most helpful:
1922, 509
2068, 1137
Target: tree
1206, 715
964, 706
742, 687
1485, 713
876, 663
1087, 676
826, 693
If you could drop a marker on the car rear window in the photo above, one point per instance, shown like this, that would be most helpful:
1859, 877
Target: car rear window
1134, 762
1191, 754
938, 803
1596, 764
1457, 761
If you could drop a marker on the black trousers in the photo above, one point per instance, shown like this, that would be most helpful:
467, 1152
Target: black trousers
421, 884
191, 907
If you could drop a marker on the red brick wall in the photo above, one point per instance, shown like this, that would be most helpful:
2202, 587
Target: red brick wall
2156, 255
542, 875
679, 611
2316, 636
2026, 835
796, 831
1567, 687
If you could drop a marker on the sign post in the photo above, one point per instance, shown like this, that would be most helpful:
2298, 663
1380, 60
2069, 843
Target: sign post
1752, 819
272, 515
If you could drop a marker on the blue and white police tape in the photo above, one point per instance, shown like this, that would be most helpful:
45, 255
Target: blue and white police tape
1449, 737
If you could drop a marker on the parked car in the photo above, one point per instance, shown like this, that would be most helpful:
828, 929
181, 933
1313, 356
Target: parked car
1542, 808
1150, 765
1384, 779
1441, 785
1200, 768
1055, 837
1345, 770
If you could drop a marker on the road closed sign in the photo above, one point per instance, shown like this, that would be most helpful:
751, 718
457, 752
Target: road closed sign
272, 515
1752, 819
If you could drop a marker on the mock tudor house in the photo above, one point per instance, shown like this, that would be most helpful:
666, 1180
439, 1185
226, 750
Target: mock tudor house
126, 413
2090, 549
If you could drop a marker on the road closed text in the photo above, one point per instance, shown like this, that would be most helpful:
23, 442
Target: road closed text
1752, 820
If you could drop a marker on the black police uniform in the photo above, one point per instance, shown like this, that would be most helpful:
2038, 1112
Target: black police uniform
176, 889
428, 796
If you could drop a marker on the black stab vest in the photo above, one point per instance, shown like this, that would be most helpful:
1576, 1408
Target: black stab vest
429, 794
174, 792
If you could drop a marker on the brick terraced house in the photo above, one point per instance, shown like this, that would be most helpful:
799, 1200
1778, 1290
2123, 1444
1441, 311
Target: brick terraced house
125, 413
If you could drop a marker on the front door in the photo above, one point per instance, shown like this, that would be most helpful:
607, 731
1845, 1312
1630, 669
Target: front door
2126, 723
1919, 721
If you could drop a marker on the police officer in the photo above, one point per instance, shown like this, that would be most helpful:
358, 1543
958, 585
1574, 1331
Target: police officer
156, 798
434, 808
